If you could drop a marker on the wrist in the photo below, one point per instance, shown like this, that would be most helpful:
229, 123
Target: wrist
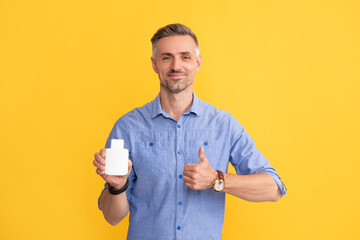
115, 186
115, 190
214, 177
219, 183
226, 177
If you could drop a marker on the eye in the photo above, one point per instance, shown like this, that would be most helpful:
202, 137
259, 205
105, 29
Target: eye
186, 57
165, 58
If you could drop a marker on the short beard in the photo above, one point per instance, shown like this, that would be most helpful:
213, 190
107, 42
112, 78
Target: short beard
173, 90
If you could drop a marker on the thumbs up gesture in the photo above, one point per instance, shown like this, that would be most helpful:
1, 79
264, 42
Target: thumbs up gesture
199, 176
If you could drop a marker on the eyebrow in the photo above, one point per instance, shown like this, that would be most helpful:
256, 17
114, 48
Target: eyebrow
170, 54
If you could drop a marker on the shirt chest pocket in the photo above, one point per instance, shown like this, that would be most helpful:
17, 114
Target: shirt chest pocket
212, 150
151, 159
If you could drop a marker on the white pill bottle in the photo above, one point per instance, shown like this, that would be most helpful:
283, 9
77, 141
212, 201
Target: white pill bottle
116, 158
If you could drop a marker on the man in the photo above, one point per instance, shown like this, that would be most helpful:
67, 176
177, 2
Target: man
180, 148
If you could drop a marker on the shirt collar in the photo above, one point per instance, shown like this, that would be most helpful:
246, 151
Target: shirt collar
157, 110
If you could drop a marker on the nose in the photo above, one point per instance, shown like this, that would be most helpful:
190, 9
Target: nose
175, 64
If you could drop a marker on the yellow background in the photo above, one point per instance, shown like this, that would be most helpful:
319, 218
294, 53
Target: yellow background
287, 70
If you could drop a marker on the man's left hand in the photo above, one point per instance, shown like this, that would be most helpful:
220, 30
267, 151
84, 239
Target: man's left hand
199, 176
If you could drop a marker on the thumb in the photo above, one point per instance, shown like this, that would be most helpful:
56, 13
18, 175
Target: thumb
202, 155
129, 166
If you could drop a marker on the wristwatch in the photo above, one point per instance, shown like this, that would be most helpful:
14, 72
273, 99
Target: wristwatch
219, 183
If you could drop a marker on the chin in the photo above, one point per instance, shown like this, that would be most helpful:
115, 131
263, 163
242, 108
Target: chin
175, 90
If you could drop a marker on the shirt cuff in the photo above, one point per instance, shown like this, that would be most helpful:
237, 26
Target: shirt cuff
280, 183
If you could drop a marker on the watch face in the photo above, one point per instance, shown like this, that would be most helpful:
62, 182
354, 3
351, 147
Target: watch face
219, 185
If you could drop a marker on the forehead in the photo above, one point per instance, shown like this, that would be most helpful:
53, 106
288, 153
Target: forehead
176, 44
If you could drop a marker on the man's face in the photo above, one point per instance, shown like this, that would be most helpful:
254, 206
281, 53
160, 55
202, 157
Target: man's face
176, 62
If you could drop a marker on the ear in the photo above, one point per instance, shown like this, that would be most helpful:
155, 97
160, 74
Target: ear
198, 62
153, 61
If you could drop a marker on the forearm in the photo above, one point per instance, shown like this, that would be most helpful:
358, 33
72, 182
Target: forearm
114, 207
257, 187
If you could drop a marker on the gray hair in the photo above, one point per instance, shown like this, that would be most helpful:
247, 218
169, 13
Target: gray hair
176, 29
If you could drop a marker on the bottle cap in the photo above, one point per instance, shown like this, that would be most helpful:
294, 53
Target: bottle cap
117, 143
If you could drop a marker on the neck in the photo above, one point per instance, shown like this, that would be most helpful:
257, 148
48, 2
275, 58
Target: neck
176, 104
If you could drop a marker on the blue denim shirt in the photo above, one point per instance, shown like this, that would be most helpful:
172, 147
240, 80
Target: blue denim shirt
161, 206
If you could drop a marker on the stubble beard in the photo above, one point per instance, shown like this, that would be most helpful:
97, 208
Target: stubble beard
175, 88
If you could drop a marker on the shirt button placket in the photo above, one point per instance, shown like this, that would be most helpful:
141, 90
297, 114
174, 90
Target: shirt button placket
179, 185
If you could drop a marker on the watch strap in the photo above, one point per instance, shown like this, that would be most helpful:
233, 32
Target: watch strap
220, 175
114, 191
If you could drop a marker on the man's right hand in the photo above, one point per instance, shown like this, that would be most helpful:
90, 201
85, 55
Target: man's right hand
116, 182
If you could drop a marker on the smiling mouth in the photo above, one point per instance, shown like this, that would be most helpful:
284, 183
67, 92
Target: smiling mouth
176, 75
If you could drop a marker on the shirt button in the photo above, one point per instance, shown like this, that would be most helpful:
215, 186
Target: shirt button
179, 152
179, 202
180, 176
178, 126
205, 143
178, 228
151, 144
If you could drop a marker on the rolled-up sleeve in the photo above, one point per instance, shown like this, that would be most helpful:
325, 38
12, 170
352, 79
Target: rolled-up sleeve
246, 159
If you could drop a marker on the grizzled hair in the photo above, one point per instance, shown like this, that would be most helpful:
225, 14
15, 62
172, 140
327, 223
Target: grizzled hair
176, 29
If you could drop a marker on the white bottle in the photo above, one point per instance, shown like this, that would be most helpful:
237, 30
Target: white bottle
116, 158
